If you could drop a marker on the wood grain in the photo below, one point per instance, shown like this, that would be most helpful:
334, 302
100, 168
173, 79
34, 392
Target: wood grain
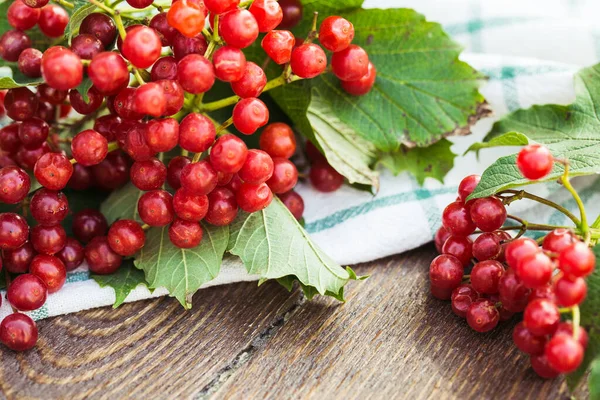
389, 340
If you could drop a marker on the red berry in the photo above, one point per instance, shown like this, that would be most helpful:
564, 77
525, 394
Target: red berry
540, 365
558, 240
278, 140
238, 28
89, 147
95, 99
156, 208
9, 138
570, 293
222, 207
513, 294
336, 33
467, 186
50, 270
126, 237
535, 270
27, 292
350, 64
324, 177
363, 85
174, 96
229, 63
21, 16
12, 43
188, 206
292, 13
446, 272
228, 154
541, 317
457, 220
61, 68
174, 169
196, 133
33, 133
487, 246
526, 341
17, 261
124, 104
21, 104
164, 68
101, 26
142, 46
187, 17
72, 254
567, 328
149, 99
14, 184
18, 332
254, 197
285, 176
195, 73
162, 135
101, 259
135, 143
221, 6
88, 224
294, 202
268, 14
108, 71
113, 172
48, 239
86, 46
13, 231
139, 3
278, 45
183, 45
252, 83
440, 238
486, 275
564, 353
249, 115
199, 178
49, 207
461, 299
544, 292
149, 174
488, 214
535, 161
440, 293
519, 249
308, 60
460, 247
30, 62
257, 168
482, 315
577, 260
185, 234
53, 20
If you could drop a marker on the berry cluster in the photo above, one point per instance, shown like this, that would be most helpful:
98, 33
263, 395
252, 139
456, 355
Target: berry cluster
145, 102
514, 275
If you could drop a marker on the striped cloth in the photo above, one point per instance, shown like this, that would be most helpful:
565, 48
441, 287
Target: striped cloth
530, 51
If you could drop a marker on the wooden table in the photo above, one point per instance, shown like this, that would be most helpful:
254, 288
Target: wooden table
391, 339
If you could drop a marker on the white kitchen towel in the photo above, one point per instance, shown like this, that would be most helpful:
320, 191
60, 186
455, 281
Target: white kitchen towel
530, 50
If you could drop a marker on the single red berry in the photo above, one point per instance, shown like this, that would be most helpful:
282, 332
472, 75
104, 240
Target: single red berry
195, 73
72, 254
363, 85
88, 223
519, 249
535, 270
53, 170
50, 270
238, 28
249, 115
513, 294
567, 328
156, 208
222, 207
577, 260
278, 140
336, 33
26, 158
18, 332
467, 186
488, 214
51, 95
257, 168
174, 95
526, 341
285, 176
27, 292
487, 246
540, 365
30, 62
440, 238
292, 13
47, 113
188, 206
350, 64
482, 315
221, 6
228, 154
294, 202
53, 20
185, 234
139, 3
440, 293
254, 197
461, 299
558, 240
49, 207
174, 169
564, 353
21, 104
86, 46
535, 161
544, 292
229, 63
142, 46
124, 104
268, 14
13, 231
108, 72
486, 275
446, 272
101, 26
33, 133
135, 143
16, 261
126, 237
95, 99
278, 45
48, 239
183, 45
101, 259
457, 220
162, 135
61, 68
12, 43
308, 60
22, 17
9, 138
460, 247
252, 83
199, 178
196, 133
541, 317
149, 174
113, 172
164, 68
149, 99
89, 147
324, 177
187, 17
570, 292
14, 184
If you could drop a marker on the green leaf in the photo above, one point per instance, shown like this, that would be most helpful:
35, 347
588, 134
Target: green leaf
84, 87
570, 132
506, 139
431, 162
123, 281
182, 271
82, 9
594, 380
272, 244
18, 80
122, 203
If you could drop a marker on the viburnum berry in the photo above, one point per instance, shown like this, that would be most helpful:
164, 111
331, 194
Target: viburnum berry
222, 207
576, 260
199, 178
567, 329
100, 258
18, 332
196, 133
350, 64
461, 299
195, 73
101, 26
124, 104
278, 45
284, 177
95, 99
126, 237
21, 104
526, 341
252, 83
486, 275
72, 254
518, 249
446, 272
164, 68
17, 261
149, 99
183, 45
113, 172
460, 247
142, 46
564, 353
86, 46
558, 240
61, 68
441, 235
228, 154
165, 32
268, 14
53, 20
487, 246
149, 174
88, 224
324, 177
14, 231
12, 43
570, 292
541, 317
482, 315
513, 294
51, 95
249, 115
185, 234
294, 202
139, 3
467, 186
540, 365
30, 63
9, 138
53, 171
457, 219
14, 184
162, 135
49, 207
81, 178
21, 16
363, 85
535, 270
188, 206
50, 270
488, 214
89, 147
174, 169
108, 72
238, 28
187, 16
33, 133
48, 239
308, 60
336, 33
156, 208
440, 293
257, 168
174, 95
135, 143
229, 63
27, 292
292, 13
253, 197
535, 161
278, 140
221, 6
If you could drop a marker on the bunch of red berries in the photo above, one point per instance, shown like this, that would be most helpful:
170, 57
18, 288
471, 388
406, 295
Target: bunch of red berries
514, 275
146, 101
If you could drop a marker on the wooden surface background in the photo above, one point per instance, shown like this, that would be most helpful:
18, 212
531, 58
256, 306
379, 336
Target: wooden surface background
391, 339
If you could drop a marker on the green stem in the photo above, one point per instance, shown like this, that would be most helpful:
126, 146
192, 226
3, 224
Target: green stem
521, 194
576, 321
583, 226
116, 3
596, 223
137, 75
533, 227
103, 7
209, 50
184, 152
120, 26
197, 157
221, 128
112, 146
65, 3
245, 4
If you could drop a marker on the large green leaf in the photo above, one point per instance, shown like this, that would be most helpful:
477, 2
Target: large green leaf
123, 281
272, 244
182, 271
122, 203
571, 132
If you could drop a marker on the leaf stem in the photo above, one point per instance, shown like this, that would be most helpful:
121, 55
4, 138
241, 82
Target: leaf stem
583, 226
521, 194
